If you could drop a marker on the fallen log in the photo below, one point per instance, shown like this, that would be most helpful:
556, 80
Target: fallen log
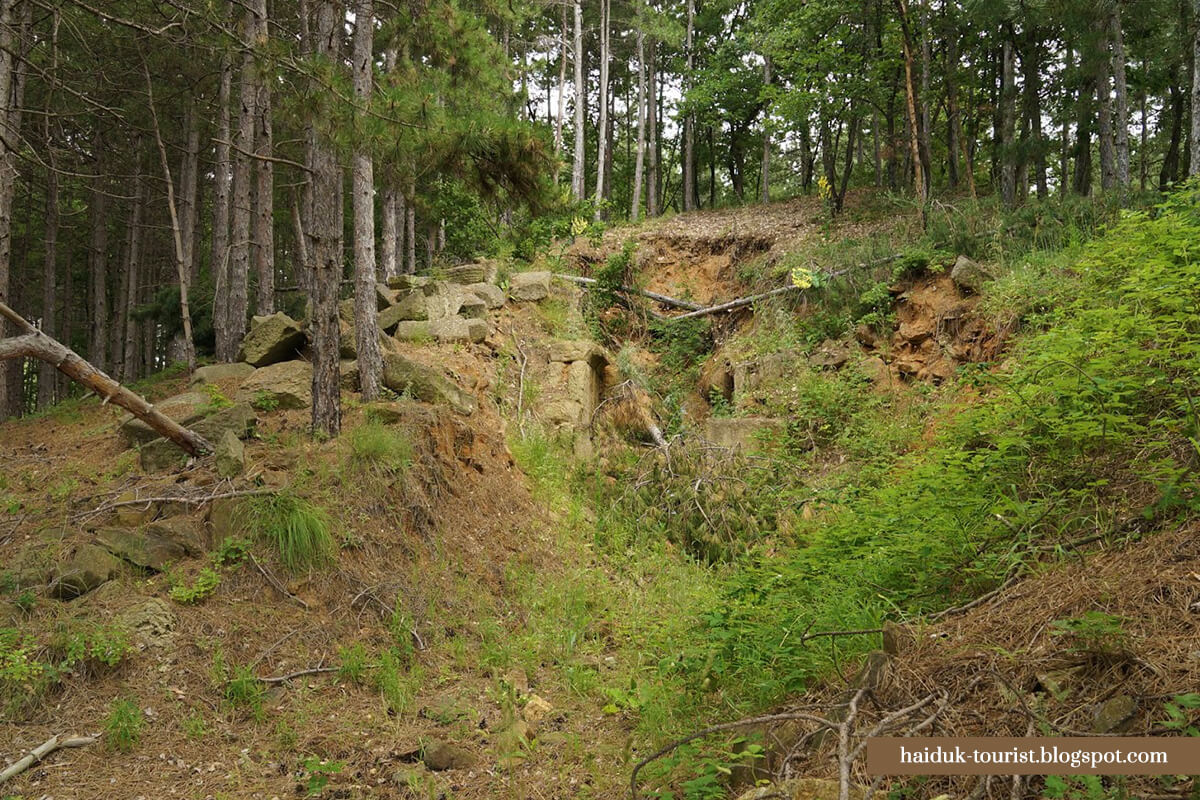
38, 753
674, 302
33, 343
732, 304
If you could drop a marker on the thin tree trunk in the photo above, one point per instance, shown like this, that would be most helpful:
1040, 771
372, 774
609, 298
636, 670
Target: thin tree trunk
764, 193
1121, 107
264, 194
98, 260
635, 207
325, 234
8, 178
181, 268
690, 188
911, 100
1008, 117
46, 372
578, 186
370, 359
189, 204
562, 95
410, 230
133, 268
926, 58
1108, 155
1031, 68
222, 179
243, 183
602, 129
1194, 163
652, 163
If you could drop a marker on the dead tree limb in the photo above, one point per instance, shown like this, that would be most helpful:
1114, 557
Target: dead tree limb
655, 296
735, 304
33, 343
38, 753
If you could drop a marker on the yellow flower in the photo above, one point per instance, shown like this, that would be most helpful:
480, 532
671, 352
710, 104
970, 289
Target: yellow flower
578, 226
802, 278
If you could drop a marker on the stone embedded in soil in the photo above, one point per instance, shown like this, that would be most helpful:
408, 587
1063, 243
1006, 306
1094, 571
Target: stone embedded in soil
154, 546
230, 456
287, 384
830, 355
529, 286
385, 413
151, 622
161, 455
220, 372
473, 307
439, 755
1115, 715
535, 711
88, 568
412, 331
402, 375
271, 339
227, 518
412, 307
458, 329
489, 293
968, 275
742, 433
183, 408
802, 789
239, 419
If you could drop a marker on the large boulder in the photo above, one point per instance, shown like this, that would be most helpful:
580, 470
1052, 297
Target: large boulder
529, 286
239, 419
458, 329
271, 339
348, 375
407, 282
183, 408
742, 433
287, 384
161, 455
402, 375
465, 273
473, 306
410, 307
214, 373
413, 331
154, 546
89, 567
968, 275
230, 455
489, 293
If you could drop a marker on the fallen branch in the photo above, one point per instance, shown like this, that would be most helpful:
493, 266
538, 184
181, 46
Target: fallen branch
734, 304
660, 298
271, 579
33, 343
41, 751
299, 674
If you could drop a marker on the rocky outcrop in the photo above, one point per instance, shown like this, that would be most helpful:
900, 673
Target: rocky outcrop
184, 408
214, 373
230, 456
968, 275
529, 286
287, 384
89, 567
271, 339
155, 546
404, 376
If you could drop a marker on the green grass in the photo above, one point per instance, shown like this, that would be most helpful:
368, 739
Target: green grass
296, 527
123, 726
379, 448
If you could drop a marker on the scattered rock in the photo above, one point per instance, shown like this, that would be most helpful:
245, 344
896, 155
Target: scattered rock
152, 622
489, 293
877, 370
465, 273
287, 384
384, 296
1115, 715
407, 282
412, 332
220, 372
226, 518
271, 339
536, 709
802, 789
153, 547
512, 740
830, 355
412, 307
518, 680
473, 307
742, 433
230, 455
402, 375
439, 755
130, 516
183, 408
348, 375
88, 568
968, 275
529, 286
239, 419
161, 455
458, 329
384, 413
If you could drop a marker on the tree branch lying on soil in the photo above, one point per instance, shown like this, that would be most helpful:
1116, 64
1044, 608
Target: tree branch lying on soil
33, 343
38, 753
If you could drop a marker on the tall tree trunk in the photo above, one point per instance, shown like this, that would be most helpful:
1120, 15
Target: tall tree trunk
1194, 163
924, 131
1085, 113
764, 179
46, 370
133, 269
370, 359
562, 95
222, 180
189, 201
1121, 106
9, 111
953, 131
1103, 74
98, 260
690, 187
1031, 64
602, 128
325, 234
1169, 172
911, 101
264, 193
652, 162
635, 206
578, 180
1008, 117
243, 150
410, 229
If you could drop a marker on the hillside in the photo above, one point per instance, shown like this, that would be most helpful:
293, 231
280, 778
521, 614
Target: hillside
954, 464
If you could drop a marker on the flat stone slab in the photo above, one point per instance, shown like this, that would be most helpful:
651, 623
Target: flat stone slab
743, 433
529, 286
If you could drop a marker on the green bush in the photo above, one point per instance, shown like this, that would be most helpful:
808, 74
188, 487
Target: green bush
379, 448
123, 726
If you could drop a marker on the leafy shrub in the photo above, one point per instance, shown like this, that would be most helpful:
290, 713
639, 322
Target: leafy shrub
380, 448
123, 726
298, 529
205, 584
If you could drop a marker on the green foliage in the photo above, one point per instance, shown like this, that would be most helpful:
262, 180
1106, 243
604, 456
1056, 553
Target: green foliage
264, 401
243, 690
379, 448
22, 674
216, 399
1178, 718
94, 647
297, 528
395, 685
123, 726
318, 773
1094, 634
200, 589
232, 550
352, 664
682, 345
195, 726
